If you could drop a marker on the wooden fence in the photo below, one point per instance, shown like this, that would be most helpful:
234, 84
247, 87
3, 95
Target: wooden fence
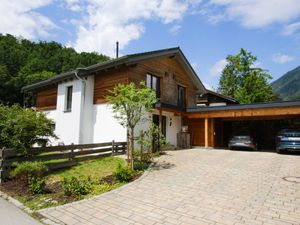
56, 157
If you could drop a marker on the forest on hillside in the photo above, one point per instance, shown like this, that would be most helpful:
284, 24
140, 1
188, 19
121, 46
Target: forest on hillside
288, 85
24, 62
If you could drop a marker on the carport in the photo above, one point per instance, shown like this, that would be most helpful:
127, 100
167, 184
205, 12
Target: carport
212, 126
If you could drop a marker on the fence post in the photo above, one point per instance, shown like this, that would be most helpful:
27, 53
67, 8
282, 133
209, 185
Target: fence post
123, 148
72, 151
1, 169
113, 147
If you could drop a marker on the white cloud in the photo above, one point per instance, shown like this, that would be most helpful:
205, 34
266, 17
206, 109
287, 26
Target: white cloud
254, 13
217, 68
175, 29
116, 20
282, 58
73, 5
20, 18
291, 28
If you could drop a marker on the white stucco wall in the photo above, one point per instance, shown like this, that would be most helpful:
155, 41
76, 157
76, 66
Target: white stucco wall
67, 123
51, 114
106, 127
97, 121
171, 128
87, 126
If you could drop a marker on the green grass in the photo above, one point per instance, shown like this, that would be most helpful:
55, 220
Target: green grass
95, 169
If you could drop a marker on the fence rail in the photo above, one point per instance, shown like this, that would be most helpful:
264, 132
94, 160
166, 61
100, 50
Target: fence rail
56, 157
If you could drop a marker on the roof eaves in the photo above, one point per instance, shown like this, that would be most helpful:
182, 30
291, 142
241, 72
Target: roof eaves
49, 81
135, 58
221, 95
88, 71
245, 106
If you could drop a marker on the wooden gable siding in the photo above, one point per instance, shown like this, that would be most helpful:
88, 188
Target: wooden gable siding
171, 75
47, 98
107, 80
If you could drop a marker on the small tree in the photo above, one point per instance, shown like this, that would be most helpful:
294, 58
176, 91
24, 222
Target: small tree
21, 128
153, 136
130, 103
244, 82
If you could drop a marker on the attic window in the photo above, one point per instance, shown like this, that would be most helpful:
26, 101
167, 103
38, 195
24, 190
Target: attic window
68, 98
181, 96
153, 82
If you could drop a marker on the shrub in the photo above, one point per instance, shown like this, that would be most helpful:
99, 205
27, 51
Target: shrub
123, 173
29, 169
76, 186
140, 165
21, 128
36, 185
144, 157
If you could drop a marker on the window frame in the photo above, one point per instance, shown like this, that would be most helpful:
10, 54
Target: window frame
68, 98
157, 88
181, 103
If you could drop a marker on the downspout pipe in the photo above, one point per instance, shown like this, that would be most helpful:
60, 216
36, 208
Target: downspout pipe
81, 116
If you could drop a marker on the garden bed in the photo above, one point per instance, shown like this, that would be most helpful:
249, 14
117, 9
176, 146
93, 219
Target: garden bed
99, 173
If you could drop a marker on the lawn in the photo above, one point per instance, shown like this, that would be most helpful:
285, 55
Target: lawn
98, 171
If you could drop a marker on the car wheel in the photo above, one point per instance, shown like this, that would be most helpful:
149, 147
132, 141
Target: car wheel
278, 151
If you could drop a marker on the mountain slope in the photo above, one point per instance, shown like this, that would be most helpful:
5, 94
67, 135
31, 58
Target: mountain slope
288, 86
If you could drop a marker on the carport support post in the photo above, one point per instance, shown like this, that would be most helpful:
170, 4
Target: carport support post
206, 132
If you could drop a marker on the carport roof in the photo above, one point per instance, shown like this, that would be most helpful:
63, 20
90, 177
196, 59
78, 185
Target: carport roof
244, 106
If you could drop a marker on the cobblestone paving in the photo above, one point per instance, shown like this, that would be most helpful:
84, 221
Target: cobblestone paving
199, 187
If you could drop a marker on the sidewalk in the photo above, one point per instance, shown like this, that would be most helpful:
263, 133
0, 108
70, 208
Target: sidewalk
12, 215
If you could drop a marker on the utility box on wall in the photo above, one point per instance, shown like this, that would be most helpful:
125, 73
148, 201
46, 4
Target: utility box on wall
183, 140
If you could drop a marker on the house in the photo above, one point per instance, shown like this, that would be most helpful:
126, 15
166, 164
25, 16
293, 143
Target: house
76, 101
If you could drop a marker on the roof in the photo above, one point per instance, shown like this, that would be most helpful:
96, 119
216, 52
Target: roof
124, 60
244, 106
221, 96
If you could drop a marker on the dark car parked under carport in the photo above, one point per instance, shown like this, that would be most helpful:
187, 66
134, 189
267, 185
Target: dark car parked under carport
242, 142
288, 140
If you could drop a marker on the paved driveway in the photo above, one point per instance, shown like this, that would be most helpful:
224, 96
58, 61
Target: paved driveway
199, 187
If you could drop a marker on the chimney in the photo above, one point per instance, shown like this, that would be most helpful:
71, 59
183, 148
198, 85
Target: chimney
117, 49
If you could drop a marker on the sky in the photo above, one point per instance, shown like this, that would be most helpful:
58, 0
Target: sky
205, 30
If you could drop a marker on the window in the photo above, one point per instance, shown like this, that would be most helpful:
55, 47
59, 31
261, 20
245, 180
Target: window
153, 83
68, 99
181, 96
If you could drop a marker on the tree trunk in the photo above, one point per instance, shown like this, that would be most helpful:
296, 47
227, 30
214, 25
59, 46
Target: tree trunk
131, 147
142, 146
128, 147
